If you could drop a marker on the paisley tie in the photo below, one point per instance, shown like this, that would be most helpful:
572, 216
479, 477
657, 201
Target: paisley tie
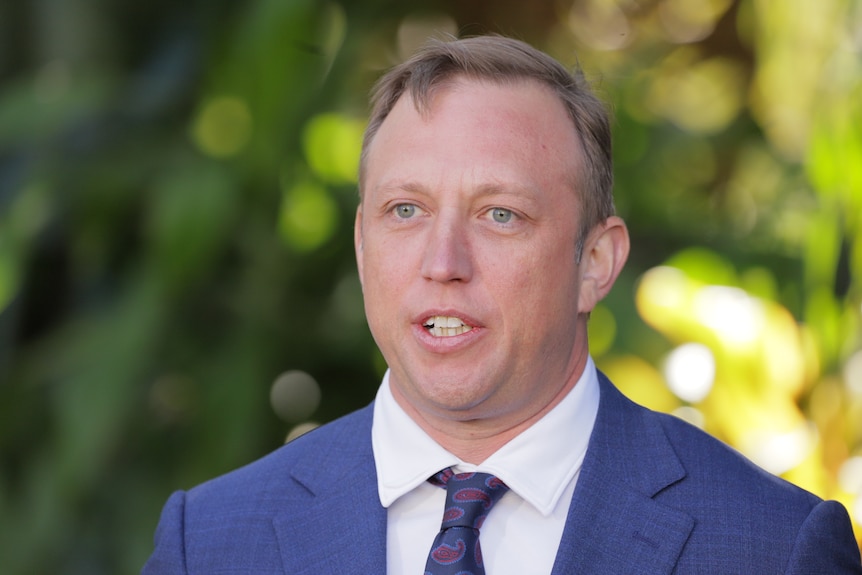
469, 498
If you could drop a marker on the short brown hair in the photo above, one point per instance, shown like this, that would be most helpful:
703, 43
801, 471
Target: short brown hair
501, 60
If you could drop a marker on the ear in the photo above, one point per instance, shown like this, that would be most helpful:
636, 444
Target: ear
605, 253
357, 242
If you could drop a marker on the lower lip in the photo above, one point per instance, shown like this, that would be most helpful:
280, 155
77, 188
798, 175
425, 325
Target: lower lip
448, 344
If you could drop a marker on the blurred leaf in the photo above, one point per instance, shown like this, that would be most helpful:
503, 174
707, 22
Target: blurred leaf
280, 56
10, 274
190, 215
34, 109
823, 240
834, 161
98, 365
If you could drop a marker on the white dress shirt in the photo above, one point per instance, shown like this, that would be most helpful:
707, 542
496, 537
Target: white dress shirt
540, 466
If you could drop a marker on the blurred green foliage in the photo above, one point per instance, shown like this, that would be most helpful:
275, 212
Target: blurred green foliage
177, 191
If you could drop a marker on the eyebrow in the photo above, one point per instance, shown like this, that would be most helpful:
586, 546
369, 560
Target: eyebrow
526, 193
405, 186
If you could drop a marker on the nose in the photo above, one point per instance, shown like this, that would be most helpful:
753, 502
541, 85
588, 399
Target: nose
447, 256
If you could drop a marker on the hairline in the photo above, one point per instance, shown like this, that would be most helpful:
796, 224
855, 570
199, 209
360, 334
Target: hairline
590, 176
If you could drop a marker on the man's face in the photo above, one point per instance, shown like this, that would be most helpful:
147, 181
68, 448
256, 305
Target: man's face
466, 247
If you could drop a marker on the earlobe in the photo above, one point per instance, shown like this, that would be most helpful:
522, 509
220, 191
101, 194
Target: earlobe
606, 252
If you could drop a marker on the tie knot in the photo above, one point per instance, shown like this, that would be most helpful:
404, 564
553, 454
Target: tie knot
469, 497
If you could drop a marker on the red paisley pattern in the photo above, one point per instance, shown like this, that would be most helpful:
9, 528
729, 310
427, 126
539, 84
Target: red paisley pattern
469, 499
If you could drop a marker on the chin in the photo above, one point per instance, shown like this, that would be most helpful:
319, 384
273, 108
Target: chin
454, 397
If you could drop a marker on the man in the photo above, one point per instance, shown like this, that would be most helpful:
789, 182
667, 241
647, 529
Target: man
484, 237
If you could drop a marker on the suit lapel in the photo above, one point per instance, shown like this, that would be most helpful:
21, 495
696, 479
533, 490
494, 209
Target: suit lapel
335, 517
614, 525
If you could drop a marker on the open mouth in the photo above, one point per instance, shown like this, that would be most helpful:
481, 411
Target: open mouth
445, 326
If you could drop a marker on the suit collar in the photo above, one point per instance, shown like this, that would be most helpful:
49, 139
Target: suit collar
340, 482
615, 525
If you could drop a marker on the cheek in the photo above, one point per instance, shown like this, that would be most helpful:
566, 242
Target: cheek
542, 289
397, 256
549, 266
386, 273
386, 266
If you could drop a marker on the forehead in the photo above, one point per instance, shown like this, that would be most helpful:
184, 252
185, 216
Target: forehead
468, 124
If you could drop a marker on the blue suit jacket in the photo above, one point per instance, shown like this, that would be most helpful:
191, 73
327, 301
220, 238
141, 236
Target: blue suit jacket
655, 496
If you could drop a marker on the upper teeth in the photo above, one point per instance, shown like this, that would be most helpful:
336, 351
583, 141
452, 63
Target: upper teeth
443, 326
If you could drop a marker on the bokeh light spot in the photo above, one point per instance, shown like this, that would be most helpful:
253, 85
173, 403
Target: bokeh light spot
640, 381
600, 24
852, 373
223, 127
704, 265
702, 97
294, 395
731, 313
779, 452
690, 414
662, 287
309, 216
332, 144
301, 430
690, 372
850, 476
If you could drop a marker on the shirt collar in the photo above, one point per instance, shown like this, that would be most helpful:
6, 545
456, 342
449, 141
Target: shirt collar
537, 465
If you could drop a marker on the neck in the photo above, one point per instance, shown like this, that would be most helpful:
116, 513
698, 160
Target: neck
473, 440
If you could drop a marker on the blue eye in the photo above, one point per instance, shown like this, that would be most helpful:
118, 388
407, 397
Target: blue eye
501, 215
405, 210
